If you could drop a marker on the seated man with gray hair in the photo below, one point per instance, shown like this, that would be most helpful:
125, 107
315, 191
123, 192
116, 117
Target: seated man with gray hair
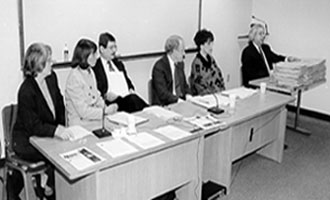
168, 78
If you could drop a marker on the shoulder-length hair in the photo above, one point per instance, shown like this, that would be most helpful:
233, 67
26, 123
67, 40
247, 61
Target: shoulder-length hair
81, 52
35, 59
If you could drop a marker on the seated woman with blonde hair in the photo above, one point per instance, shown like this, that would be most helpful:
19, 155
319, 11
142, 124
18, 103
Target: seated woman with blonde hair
40, 112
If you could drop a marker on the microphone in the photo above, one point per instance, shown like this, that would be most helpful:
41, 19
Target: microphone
102, 132
262, 21
215, 109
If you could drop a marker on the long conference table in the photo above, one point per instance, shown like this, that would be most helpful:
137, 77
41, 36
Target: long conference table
256, 125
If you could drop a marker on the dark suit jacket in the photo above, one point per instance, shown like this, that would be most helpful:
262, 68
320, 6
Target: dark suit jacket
101, 78
34, 117
162, 82
253, 65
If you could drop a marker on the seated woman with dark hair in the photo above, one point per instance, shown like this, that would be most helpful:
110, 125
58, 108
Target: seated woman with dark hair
84, 104
206, 76
40, 111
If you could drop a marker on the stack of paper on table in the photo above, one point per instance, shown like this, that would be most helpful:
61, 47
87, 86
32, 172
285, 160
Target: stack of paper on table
162, 113
205, 122
82, 158
145, 140
208, 101
240, 92
304, 72
116, 147
78, 132
122, 118
172, 132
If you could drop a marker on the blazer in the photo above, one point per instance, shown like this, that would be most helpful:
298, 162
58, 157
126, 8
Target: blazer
253, 65
162, 82
34, 117
84, 103
101, 78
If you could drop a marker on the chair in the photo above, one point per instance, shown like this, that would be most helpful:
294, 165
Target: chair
28, 169
150, 92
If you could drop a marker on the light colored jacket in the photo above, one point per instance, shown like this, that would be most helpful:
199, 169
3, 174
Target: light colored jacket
84, 104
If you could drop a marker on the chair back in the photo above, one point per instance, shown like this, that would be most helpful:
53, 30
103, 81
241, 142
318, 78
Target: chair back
9, 114
150, 92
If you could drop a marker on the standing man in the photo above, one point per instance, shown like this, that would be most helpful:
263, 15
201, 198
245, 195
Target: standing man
168, 78
112, 79
258, 58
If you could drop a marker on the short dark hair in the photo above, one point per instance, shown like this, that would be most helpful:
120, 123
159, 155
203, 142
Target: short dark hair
203, 36
35, 59
81, 52
104, 38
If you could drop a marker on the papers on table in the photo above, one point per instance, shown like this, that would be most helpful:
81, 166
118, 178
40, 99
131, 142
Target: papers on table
304, 72
78, 132
162, 113
82, 158
240, 92
116, 147
208, 101
172, 132
205, 122
144, 140
122, 118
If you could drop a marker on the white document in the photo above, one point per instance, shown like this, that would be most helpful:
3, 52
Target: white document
240, 92
78, 132
122, 118
145, 140
205, 122
82, 158
172, 132
116, 147
210, 100
162, 113
117, 83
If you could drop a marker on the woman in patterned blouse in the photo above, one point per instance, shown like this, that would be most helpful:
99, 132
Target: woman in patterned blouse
206, 76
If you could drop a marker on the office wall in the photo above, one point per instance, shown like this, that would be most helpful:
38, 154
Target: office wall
300, 28
139, 27
228, 19
10, 75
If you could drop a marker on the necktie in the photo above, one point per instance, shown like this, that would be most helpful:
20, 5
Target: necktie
265, 60
178, 90
111, 69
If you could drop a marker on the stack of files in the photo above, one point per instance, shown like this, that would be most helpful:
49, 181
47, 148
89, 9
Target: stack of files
302, 73
210, 100
240, 92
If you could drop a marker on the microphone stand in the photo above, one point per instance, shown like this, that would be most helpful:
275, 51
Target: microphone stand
215, 109
260, 20
102, 132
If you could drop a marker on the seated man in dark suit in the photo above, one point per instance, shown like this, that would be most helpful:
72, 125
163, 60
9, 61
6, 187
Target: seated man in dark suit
258, 58
108, 69
168, 78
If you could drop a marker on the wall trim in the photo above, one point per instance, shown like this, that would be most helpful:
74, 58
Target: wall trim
310, 113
